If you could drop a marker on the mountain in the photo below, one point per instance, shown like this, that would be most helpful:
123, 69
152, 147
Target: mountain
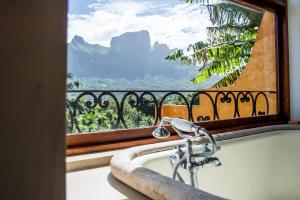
129, 56
79, 44
131, 43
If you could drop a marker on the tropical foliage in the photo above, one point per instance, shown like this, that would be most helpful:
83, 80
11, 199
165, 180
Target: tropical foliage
71, 83
96, 118
230, 41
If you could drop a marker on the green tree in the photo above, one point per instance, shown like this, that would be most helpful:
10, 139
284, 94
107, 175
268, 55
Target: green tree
230, 41
71, 83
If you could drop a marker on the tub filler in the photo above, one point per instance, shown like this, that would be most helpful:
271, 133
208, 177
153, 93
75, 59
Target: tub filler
257, 164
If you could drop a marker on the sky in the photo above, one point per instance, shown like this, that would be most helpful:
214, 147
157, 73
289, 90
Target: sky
172, 22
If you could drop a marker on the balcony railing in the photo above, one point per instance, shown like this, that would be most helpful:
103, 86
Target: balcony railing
93, 110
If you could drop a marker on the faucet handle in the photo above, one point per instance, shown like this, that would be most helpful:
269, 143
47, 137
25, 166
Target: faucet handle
212, 161
179, 151
218, 148
179, 146
177, 157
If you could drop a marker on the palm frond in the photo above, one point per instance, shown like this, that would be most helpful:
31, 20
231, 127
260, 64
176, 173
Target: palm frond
230, 42
229, 79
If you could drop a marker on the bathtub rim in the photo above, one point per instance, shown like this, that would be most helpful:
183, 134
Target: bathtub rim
158, 186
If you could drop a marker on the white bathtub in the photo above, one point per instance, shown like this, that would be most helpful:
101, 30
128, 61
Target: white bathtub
256, 166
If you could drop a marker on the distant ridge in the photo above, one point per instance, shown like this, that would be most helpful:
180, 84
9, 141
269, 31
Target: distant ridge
129, 56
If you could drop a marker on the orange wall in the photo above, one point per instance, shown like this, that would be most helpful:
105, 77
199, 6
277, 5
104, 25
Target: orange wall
259, 75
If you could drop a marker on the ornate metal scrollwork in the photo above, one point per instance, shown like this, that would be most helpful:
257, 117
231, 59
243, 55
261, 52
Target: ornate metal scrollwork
244, 97
152, 102
256, 113
203, 118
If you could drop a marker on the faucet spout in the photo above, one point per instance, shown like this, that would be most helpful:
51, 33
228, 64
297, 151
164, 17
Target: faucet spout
187, 160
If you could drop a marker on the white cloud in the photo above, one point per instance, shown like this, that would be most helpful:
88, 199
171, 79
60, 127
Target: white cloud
176, 25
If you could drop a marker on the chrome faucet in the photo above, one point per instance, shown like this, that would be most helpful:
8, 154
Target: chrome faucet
189, 160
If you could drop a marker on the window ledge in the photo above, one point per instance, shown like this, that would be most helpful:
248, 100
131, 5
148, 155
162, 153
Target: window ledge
89, 161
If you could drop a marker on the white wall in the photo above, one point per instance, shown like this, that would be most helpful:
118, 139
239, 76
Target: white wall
294, 54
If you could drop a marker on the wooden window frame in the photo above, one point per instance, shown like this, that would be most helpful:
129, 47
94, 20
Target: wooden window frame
124, 138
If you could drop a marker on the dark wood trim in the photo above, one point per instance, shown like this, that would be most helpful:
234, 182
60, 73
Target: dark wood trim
116, 139
278, 101
115, 145
294, 122
140, 133
283, 65
269, 5
100, 147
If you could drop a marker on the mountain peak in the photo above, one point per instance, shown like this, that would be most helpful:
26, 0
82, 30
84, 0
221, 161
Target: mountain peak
79, 44
78, 39
132, 42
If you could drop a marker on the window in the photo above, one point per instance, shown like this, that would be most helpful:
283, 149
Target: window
132, 62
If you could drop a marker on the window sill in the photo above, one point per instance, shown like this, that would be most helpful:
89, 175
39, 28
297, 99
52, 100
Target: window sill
95, 156
91, 143
89, 161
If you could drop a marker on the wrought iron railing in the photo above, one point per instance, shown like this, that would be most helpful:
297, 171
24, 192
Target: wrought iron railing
150, 104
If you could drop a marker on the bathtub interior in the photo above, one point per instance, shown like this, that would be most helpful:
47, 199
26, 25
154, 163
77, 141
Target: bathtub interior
264, 166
